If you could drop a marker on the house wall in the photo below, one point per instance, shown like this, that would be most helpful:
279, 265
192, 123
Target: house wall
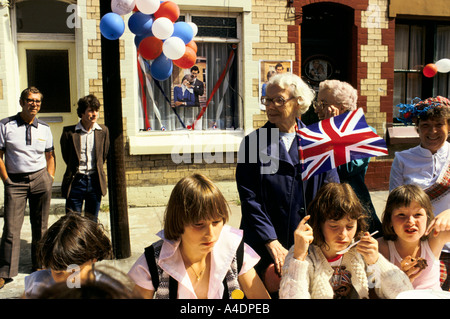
271, 30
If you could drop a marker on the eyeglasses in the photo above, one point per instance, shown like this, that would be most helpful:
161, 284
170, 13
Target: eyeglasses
30, 101
319, 105
278, 101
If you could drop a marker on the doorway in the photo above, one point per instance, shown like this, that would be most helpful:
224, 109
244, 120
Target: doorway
50, 66
328, 43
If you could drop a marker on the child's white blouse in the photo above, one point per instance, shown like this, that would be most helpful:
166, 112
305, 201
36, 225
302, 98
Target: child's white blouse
170, 261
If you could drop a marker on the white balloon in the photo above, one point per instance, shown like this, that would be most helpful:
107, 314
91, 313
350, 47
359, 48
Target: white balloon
194, 27
162, 28
122, 7
174, 48
443, 65
148, 6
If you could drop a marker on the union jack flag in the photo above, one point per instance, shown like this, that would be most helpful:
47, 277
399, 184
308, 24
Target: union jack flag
335, 141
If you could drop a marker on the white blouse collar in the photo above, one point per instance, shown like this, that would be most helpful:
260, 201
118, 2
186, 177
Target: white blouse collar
170, 259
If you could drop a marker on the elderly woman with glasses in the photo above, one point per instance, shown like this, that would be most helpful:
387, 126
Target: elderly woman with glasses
268, 175
335, 98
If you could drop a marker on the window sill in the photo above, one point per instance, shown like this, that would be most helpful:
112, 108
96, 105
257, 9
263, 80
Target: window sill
185, 142
401, 134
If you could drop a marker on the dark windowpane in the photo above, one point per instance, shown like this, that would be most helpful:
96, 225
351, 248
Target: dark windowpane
45, 16
48, 70
216, 27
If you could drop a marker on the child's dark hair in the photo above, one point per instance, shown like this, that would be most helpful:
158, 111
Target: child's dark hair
101, 283
335, 201
194, 198
403, 196
85, 102
73, 239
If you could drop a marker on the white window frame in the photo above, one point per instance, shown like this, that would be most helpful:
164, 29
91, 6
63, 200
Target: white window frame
196, 141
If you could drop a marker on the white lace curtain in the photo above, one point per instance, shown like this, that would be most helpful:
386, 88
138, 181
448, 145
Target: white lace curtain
222, 111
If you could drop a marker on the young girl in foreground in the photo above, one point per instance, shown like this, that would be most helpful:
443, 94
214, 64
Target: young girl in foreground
407, 223
313, 269
197, 254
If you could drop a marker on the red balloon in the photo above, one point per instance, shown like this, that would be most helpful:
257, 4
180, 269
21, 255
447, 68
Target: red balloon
187, 60
168, 9
192, 45
430, 70
151, 48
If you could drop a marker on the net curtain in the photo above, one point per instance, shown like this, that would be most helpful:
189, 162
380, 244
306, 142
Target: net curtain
221, 112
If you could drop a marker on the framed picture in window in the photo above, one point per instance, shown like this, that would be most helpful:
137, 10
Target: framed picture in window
268, 68
196, 80
318, 68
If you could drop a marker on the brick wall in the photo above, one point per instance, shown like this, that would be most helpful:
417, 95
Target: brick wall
377, 176
375, 65
279, 40
274, 23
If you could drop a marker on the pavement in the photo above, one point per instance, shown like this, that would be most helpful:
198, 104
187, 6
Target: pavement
144, 224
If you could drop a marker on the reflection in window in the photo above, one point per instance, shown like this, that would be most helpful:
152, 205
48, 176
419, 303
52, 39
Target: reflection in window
217, 108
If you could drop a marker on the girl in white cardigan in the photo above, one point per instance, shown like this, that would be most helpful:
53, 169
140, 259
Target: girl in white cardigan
313, 268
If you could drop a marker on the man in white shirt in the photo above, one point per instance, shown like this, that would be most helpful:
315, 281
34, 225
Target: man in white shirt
27, 169
84, 148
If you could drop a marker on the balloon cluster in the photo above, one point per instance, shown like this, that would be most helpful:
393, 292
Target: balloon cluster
441, 66
158, 36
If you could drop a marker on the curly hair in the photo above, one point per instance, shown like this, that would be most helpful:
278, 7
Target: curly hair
298, 87
343, 92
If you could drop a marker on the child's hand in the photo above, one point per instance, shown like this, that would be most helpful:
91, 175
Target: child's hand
408, 265
440, 223
303, 237
368, 248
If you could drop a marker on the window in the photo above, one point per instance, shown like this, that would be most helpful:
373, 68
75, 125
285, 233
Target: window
47, 16
46, 42
217, 58
417, 44
49, 71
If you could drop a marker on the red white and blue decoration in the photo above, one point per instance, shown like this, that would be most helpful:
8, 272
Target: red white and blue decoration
162, 42
158, 37
335, 141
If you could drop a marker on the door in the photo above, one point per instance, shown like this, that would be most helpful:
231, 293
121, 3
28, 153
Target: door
51, 67
327, 42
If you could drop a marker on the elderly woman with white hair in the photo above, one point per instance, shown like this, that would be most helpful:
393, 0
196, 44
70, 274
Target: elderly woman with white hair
268, 175
335, 98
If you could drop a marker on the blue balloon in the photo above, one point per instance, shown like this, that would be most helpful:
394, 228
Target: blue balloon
140, 23
161, 68
184, 31
112, 26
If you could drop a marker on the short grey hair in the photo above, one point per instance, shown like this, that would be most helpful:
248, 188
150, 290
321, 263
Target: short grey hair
343, 92
298, 87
